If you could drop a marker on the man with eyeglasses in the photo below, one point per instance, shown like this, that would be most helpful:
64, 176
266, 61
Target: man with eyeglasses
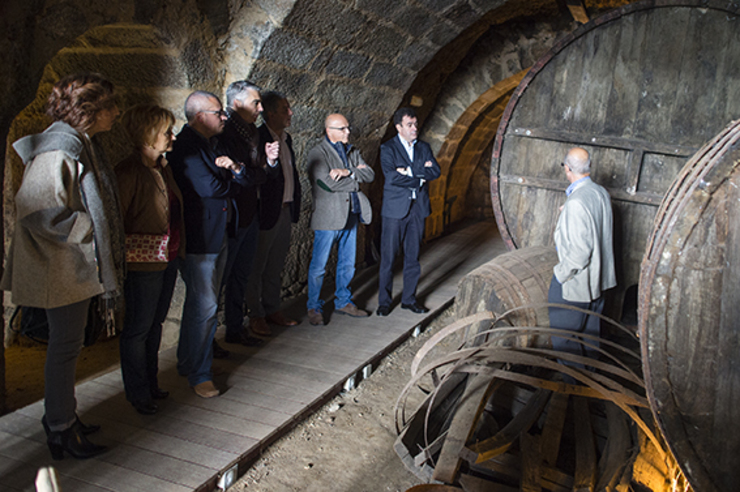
408, 166
209, 182
583, 238
336, 169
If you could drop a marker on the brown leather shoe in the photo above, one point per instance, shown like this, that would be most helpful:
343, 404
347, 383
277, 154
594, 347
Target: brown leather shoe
206, 389
277, 318
352, 310
315, 317
259, 327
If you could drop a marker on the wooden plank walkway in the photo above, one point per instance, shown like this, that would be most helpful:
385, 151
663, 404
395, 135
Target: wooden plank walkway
190, 442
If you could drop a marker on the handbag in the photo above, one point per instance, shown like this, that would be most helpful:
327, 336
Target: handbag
34, 324
147, 248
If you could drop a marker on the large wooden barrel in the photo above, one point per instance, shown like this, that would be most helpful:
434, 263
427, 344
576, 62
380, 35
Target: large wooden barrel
510, 280
642, 88
689, 315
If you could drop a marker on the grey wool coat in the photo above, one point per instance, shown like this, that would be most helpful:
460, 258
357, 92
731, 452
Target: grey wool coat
52, 258
583, 237
331, 199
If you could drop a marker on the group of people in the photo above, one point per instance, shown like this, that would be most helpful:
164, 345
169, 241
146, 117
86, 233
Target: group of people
216, 203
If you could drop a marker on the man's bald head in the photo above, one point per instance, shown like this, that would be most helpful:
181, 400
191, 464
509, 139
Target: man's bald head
578, 161
204, 113
337, 128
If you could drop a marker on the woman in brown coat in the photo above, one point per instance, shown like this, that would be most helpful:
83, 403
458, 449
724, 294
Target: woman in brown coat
151, 205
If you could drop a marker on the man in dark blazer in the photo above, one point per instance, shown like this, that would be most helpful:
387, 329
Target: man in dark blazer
336, 169
240, 141
208, 182
280, 203
408, 165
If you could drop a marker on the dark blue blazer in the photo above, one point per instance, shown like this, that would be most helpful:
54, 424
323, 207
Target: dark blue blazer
271, 192
398, 189
207, 191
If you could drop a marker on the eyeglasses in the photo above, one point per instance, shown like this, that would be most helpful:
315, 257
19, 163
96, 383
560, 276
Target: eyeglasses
341, 128
219, 112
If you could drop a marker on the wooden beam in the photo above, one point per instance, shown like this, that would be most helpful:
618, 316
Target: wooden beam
531, 462
585, 476
553, 430
578, 11
522, 421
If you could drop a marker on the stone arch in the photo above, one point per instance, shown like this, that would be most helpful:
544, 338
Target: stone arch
463, 150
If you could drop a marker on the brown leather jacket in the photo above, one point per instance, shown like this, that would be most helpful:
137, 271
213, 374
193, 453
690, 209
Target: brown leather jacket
145, 208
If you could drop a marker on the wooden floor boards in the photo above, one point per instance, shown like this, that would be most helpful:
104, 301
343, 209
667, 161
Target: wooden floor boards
190, 441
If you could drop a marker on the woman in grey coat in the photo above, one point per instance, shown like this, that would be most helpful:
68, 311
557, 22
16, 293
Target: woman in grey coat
68, 243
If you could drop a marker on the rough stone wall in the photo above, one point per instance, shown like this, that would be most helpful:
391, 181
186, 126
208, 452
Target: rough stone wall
361, 59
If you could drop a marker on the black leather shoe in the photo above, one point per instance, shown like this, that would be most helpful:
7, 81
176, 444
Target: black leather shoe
415, 308
74, 442
84, 428
160, 394
219, 352
146, 407
383, 311
244, 339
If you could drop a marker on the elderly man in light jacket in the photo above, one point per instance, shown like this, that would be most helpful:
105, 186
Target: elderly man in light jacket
336, 169
583, 237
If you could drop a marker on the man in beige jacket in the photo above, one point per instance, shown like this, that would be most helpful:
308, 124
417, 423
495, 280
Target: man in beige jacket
583, 237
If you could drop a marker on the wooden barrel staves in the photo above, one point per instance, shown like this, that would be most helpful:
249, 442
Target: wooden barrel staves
642, 88
689, 315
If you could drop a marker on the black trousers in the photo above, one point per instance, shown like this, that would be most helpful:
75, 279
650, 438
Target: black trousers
407, 232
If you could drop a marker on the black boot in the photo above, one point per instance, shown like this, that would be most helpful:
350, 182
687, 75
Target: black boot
74, 442
84, 428
87, 429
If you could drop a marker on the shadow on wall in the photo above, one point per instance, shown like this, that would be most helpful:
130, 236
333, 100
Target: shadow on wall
143, 67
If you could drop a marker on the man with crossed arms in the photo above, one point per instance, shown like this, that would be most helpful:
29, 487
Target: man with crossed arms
336, 169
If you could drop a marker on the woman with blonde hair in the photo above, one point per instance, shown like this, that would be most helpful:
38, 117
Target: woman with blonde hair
151, 204
68, 243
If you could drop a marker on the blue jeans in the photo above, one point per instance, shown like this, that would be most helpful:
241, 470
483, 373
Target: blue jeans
202, 276
239, 262
347, 247
148, 296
